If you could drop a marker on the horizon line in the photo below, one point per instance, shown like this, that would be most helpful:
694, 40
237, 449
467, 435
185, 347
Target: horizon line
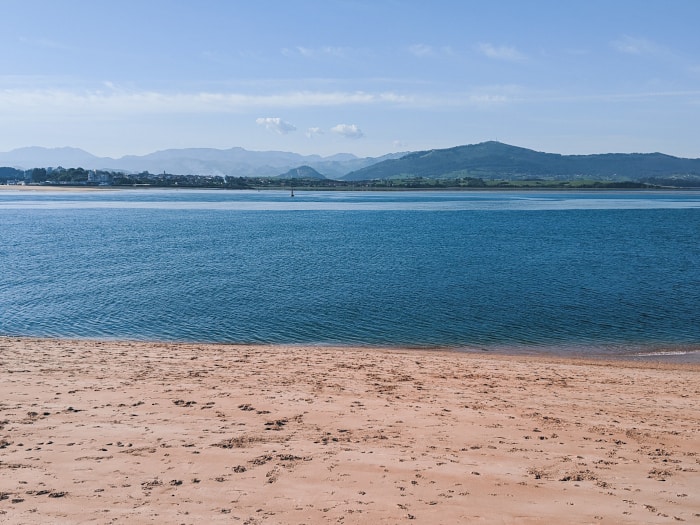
406, 152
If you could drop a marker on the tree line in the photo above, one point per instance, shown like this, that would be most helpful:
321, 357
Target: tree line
83, 177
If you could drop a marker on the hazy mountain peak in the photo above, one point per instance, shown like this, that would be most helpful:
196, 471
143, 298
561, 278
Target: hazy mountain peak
235, 161
302, 172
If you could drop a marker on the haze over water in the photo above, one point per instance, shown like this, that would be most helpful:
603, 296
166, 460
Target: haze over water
611, 273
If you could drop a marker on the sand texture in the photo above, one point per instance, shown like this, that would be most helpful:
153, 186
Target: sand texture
119, 432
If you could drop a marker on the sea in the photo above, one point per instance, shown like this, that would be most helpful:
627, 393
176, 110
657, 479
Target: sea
609, 274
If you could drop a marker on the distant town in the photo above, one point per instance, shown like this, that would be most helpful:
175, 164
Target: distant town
79, 177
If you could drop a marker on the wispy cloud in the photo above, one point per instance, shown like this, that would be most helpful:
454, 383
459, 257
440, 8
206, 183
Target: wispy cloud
423, 51
276, 125
333, 52
113, 100
636, 46
616, 97
44, 43
487, 99
507, 53
350, 131
110, 100
26, 82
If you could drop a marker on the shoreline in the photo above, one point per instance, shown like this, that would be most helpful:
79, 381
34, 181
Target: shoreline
322, 189
680, 354
165, 432
57, 187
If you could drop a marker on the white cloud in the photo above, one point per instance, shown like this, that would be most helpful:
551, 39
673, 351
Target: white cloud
507, 53
312, 132
350, 131
275, 124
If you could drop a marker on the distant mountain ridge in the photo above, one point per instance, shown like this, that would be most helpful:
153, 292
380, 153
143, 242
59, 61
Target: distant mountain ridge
495, 160
486, 160
38, 157
235, 162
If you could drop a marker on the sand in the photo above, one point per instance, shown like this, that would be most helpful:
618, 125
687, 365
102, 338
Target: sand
120, 432
52, 187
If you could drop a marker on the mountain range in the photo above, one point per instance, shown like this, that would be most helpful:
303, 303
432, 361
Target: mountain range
235, 162
486, 160
494, 160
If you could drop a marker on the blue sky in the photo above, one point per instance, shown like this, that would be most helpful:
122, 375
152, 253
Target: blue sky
364, 77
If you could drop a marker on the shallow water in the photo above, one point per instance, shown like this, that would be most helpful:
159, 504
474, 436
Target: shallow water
599, 273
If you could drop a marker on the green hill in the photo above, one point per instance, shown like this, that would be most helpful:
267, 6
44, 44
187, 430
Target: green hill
494, 160
302, 172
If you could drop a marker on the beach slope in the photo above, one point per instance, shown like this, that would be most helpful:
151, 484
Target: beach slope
121, 432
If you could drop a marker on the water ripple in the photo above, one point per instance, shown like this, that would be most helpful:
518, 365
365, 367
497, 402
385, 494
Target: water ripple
487, 272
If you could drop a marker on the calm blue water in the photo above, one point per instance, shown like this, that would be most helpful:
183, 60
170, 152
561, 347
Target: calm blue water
571, 273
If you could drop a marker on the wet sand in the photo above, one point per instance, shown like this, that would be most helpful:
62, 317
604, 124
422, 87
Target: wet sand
119, 432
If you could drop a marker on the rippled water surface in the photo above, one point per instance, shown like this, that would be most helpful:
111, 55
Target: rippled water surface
609, 273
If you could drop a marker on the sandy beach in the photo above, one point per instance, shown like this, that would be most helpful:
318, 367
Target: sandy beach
120, 432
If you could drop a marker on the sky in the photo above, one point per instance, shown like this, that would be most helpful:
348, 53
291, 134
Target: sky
367, 77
